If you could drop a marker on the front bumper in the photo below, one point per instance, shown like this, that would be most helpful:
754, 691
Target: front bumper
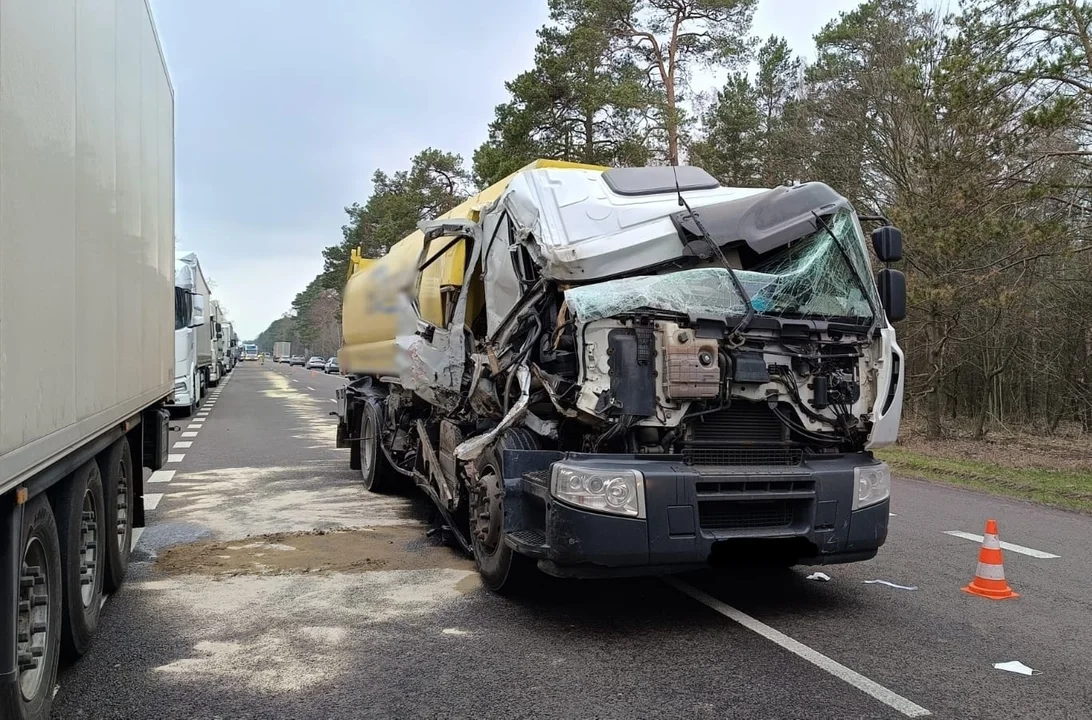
694, 516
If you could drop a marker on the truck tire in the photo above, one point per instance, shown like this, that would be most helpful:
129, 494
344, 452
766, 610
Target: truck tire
502, 570
81, 526
39, 621
376, 473
116, 468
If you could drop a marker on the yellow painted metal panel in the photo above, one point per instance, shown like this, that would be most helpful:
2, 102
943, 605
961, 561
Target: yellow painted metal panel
371, 304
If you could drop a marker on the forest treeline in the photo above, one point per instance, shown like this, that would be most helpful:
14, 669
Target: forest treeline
971, 130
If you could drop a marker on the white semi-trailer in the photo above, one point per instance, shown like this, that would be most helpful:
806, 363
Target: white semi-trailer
86, 270
192, 339
219, 361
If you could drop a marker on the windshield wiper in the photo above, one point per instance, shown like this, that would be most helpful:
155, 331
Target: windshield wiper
852, 271
749, 313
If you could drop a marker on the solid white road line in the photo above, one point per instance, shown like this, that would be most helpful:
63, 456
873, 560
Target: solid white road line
183, 444
870, 687
1004, 546
151, 500
137, 532
190, 433
162, 476
175, 457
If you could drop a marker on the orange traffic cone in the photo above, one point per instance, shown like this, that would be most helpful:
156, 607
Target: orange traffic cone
989, 579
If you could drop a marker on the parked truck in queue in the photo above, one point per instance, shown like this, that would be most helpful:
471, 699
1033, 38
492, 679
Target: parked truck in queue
597, 372
87, 248
193, 354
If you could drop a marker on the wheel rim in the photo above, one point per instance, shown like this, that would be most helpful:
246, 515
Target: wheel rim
33, 624
89, 549
122, 506
367, 444
487, 513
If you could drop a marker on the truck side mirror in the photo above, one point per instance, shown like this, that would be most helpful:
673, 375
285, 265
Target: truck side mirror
198, 310
892, 287
887, 242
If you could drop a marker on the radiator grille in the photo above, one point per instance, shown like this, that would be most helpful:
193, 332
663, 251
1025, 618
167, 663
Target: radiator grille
745, 434
772, 487
726, 455
737, 515
743, 422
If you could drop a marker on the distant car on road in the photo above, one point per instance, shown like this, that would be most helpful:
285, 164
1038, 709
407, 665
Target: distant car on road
297, 360
316, 363
332, 366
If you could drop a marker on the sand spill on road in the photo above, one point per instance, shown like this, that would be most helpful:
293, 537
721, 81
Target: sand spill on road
285, 633
359, 550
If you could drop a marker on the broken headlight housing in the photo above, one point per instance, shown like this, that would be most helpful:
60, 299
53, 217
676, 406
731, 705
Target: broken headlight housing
872, 483
616, 492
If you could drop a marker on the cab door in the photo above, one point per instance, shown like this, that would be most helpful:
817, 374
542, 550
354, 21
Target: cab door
435, 354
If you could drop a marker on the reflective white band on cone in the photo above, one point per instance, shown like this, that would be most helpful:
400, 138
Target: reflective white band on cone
991, 542
991, 572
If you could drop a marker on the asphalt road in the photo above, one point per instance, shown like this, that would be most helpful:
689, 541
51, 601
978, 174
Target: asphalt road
411, 634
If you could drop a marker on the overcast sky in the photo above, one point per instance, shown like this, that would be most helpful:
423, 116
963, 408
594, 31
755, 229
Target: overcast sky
284, 108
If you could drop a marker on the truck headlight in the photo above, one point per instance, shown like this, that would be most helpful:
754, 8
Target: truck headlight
873, 484
618, 492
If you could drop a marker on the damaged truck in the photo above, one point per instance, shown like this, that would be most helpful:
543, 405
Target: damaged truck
596, 372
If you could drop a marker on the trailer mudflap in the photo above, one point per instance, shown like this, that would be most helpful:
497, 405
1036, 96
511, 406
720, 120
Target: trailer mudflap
156, 442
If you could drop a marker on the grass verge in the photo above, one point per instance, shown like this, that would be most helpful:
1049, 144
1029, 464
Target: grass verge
1069, 489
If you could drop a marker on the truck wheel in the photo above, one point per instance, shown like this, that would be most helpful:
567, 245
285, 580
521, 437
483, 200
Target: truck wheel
502, 570
116, 468
81, 524
38, 624
375, 471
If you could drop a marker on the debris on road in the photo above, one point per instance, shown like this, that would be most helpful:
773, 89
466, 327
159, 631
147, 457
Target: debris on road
1015, 666
890, 584
819, 576
356, 550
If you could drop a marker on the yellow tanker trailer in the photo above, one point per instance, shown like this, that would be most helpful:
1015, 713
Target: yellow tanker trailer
585, 369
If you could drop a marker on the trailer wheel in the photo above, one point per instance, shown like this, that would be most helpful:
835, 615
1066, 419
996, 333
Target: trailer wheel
375, 471
81, 524
38, 625
116, 468
502, 570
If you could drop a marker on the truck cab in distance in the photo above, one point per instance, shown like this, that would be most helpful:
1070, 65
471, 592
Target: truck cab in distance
603, 372
193, 350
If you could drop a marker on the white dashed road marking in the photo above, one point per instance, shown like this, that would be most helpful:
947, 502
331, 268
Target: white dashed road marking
162, 476
151, 500
175, 457
870, 687
1004, 546
190, 433
183, 444
310, 388
333, 400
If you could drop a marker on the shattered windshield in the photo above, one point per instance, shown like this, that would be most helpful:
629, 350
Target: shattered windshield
810, 277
